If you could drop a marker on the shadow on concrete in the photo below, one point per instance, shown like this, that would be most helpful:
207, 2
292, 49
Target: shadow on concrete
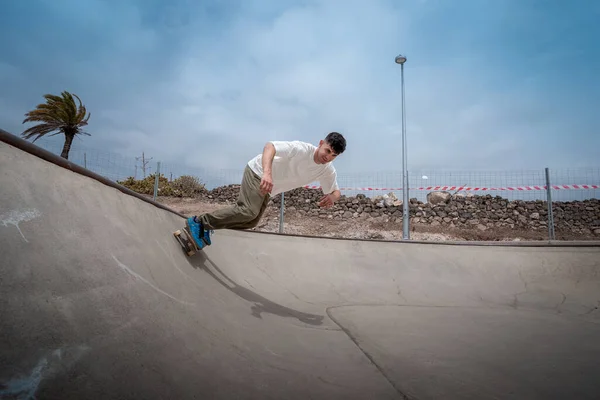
261, 304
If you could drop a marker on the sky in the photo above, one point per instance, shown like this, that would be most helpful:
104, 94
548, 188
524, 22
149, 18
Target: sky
489, 85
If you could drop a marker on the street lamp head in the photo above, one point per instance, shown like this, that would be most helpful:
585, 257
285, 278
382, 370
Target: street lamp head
400, 59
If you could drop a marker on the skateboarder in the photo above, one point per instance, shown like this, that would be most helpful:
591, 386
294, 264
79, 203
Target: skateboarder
282, 166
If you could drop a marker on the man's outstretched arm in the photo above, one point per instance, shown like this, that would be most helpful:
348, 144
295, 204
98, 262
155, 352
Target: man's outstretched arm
330, 186
266, 183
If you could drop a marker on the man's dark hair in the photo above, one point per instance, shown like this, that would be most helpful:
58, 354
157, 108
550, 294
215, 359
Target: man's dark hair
336, 141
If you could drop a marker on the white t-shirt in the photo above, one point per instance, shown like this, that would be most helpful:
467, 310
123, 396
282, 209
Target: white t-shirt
294, 166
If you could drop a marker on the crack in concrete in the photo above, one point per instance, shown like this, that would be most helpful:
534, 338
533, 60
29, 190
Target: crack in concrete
332, 286
354, 339
592, 309
329, 383
399, 291
564, 299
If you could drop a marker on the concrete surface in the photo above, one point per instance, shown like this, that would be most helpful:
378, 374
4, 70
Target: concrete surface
98, 301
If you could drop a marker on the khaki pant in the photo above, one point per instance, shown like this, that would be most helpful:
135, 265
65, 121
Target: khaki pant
247, 211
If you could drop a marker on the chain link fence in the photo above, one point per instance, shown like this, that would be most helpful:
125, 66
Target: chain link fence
527, 185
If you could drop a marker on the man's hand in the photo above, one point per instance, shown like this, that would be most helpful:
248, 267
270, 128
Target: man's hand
266, 184
329, 199
326, 201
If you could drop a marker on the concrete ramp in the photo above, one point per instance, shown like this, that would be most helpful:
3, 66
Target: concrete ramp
98, 301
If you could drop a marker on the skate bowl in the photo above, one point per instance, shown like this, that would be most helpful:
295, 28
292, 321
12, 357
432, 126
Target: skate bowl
99, 301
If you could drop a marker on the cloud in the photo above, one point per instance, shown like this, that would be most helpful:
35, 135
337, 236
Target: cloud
488, 85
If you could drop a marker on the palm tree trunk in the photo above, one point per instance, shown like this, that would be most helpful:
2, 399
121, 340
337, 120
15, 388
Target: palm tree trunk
67, 146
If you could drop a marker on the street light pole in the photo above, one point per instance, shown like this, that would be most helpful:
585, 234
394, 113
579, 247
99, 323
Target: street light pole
400, 59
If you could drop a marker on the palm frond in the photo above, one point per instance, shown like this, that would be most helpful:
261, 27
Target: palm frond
59, 113
39, 131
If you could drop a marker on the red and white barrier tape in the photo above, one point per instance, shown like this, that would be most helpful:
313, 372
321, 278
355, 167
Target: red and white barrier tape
471, 189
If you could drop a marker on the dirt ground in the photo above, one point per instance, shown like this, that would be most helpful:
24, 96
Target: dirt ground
366, 229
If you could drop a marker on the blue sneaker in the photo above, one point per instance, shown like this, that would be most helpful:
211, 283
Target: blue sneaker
206, 237
197, 231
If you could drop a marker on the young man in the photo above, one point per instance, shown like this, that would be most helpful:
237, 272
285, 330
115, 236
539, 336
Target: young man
282, 166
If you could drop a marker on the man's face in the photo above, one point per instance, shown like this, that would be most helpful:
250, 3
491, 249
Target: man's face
325, 153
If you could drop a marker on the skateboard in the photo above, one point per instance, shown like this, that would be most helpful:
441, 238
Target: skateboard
184, 237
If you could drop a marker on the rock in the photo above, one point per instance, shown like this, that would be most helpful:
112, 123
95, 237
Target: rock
438, 197
389, 200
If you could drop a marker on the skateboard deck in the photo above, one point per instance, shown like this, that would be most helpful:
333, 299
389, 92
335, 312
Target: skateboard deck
184, 237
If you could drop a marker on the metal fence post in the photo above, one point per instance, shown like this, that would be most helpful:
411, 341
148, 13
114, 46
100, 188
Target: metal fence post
406, 210
281, 211
156, 179
549, 199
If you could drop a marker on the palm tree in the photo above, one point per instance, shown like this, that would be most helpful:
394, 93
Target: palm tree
59, 113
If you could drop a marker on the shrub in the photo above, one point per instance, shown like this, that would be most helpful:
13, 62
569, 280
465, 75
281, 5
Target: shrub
188, 186
146, 185
184, 186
